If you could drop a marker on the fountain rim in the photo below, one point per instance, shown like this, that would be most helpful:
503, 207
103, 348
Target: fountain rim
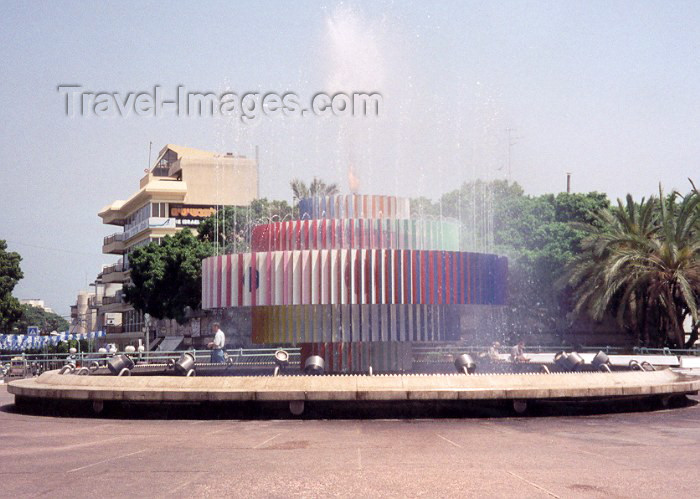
354, 387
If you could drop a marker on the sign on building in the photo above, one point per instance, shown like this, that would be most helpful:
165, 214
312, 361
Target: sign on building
188, 215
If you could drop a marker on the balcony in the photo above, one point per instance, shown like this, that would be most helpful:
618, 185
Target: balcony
94, 302
109, 300
114, 244
115, 273
149, 223
117, 243
114, 304
110, 330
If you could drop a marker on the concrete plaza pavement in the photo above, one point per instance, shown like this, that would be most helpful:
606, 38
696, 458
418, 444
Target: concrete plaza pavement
649, 454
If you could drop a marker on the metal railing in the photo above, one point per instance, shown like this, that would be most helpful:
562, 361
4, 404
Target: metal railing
236, 356
118, 236
149, 223
40, 362
117, 298
666, 351
464, 348
115, 267
267, 354
263, 357
94, 301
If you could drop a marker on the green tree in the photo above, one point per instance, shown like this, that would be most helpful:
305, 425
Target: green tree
483, 209
539, 236
65, 346
10, 274
534, 232
641, 261
166, 278
230, 227
45, 321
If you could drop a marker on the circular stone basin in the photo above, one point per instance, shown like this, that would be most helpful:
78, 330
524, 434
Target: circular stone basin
393, 387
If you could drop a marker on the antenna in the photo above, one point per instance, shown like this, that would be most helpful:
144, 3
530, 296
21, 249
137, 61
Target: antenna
257, 172
150, 145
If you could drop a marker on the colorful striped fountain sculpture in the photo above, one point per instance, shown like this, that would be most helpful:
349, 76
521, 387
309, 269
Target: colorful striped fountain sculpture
355, 280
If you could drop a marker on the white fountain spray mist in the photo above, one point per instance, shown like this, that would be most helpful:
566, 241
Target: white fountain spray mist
355, 62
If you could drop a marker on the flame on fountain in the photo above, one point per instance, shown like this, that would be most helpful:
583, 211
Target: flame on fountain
353, 179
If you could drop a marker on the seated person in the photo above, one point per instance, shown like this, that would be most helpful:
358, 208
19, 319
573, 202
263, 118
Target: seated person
517, 353
493, 353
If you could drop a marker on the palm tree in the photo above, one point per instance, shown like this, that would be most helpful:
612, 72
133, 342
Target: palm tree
317, 187
641, 261
299, 188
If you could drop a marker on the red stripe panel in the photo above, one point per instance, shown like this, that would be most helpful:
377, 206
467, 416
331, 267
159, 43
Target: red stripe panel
431, 274
406, 277
228, 287
358, 277
415, 272
437, 255
268, 278
387, 276
253, 280
368, 277
397, 276
448, 277
241, 277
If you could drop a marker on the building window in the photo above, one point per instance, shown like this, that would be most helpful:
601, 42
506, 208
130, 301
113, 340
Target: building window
159, 210
137, 217
132, 321
163, 166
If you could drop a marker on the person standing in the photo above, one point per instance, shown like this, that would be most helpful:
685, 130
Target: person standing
217, 345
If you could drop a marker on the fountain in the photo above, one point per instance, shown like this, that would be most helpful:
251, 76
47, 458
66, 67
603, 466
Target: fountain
357, 283
355, 280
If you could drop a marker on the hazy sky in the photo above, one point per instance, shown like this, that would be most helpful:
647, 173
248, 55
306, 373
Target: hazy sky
609, 91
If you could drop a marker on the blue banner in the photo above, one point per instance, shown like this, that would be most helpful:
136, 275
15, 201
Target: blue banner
22, 342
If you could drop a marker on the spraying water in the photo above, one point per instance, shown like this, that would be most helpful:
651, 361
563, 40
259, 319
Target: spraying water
434, 132
420, 143
355, 61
